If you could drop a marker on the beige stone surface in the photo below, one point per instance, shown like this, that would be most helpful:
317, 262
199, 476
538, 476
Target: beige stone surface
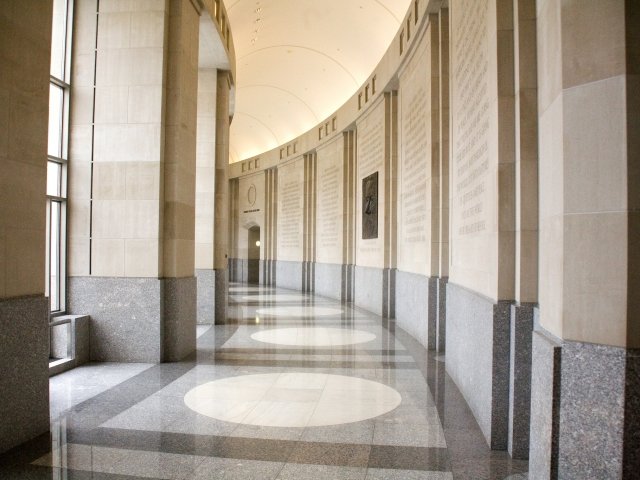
205, 168
290, 211
371, 158
480, 148
593, 41
251, 212
24, 82
330, 211
419, 163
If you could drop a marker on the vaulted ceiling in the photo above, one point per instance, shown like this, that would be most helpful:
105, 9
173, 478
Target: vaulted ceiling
298, 61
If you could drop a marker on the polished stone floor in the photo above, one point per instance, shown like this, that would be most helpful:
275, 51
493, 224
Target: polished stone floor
292, 387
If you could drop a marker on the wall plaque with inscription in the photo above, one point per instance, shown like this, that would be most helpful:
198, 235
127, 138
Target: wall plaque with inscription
370, 206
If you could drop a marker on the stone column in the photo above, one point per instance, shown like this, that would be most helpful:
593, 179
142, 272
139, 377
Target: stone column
205, 193
25, 43
221, 225
586, 357
179, 178
444, 157
132, 178
526, 235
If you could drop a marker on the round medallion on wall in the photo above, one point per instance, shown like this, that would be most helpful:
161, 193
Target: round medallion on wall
251, 195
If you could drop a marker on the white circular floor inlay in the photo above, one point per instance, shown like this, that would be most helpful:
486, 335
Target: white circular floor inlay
275, 298
292, 399
313, 336
308, 311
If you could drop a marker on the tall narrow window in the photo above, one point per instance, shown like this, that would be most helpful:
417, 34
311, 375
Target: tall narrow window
57, 154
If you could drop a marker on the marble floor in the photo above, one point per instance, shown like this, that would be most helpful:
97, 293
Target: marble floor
293, 386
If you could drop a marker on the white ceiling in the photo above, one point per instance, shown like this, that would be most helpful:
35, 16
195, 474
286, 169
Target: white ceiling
298, 61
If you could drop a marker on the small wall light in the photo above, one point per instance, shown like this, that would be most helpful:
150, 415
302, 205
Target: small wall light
257, 243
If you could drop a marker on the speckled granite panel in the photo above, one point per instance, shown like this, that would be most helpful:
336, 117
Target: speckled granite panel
328, 280
389, 293
416, 306
477, 346
368, 285
125, 316
82, 339
520, 380
545, 406
206, 295
264, 265
441, 315
289, 274
591, 411
179, 318
631, 453
221, 294
500, 382
24, 369
348, 283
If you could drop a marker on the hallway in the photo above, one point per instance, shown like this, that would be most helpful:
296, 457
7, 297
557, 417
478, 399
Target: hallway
293, 387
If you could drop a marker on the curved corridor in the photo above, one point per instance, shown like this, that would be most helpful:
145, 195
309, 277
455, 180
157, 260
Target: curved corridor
294, 386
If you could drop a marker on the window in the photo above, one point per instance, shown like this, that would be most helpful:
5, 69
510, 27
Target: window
57, 154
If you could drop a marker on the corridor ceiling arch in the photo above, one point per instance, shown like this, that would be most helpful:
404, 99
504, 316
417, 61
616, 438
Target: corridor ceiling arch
298, 61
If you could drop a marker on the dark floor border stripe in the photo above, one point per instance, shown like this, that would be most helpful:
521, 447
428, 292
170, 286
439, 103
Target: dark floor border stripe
311, 364
311, 351
289, 451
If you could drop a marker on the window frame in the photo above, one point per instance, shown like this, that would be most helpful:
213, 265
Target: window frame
59, 199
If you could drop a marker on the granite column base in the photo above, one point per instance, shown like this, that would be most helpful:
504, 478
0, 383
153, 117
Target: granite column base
585, 406
206, 296
136, 319
477, 346
221, 295
24, 369
520, 380
441, 315
348, 283
308, 276
179, 317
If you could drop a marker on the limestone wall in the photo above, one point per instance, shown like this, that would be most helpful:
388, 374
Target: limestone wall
290, 207
370, 147
251, 211
330, 213
418, 192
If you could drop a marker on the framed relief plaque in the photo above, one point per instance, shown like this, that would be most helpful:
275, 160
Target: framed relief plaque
370, 206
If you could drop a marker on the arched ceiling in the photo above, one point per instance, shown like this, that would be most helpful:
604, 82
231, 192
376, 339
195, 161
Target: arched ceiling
298, 61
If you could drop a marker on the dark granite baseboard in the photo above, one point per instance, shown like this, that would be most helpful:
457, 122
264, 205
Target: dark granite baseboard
179, 316
477, 346
206, 296
585, 400
520, 380
24, 369
598, 401
221, 304
308, 276
441, 315
416, 306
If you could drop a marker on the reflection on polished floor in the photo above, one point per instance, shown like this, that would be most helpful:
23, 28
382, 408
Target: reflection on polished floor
293, 387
